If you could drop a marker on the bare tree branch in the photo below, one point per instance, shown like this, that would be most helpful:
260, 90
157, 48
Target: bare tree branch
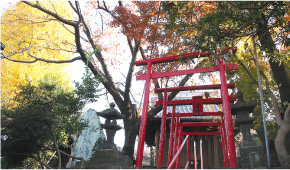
274, 100
81, 158
56, 147
72, 6
105, 8
108, 81
42, 163
31, 21
268, 91
248, 72
130, 73
55, 15
51, 157
54, 61
18, 61
47, 41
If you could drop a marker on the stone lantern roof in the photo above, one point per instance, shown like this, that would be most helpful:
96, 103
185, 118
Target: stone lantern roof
242, 105
111, 113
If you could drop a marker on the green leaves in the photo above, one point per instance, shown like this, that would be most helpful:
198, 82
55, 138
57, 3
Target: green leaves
89, 55
87, 91
43, 110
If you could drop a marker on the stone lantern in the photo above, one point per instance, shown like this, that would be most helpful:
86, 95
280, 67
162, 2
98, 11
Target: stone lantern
111, 115
249, 154
243, 120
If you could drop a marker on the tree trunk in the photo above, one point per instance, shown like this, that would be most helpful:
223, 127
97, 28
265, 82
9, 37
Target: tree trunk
57, 150
131, 127
278, 69
73, 147
80, 158
281, 142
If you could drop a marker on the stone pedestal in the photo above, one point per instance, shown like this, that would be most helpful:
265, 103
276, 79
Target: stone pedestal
108, 159
250, 157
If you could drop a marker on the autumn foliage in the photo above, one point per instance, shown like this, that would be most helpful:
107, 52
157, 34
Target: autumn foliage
27, 33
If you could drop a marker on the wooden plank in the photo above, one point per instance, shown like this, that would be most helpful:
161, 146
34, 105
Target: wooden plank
172, 58
209, 152
201, 87
177, 57
190, 101
190, 71
195, 114
216, 151
201, 133
191, 124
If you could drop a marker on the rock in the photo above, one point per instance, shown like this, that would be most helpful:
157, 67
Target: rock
91, 138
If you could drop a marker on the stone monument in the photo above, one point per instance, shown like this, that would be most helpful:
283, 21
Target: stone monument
249, 154
91, 137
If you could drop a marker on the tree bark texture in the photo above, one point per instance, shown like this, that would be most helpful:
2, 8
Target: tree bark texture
278, 68
283, 82
281, 140
131, 128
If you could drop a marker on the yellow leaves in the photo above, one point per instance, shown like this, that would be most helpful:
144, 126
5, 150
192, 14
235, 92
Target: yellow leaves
26, 27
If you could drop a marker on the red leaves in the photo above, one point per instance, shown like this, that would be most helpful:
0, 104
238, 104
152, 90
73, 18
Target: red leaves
169, 4
135, 23
225, 31
131, 23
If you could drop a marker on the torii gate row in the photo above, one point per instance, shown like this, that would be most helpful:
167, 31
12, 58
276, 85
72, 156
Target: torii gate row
178, 126
197, 105
225, 100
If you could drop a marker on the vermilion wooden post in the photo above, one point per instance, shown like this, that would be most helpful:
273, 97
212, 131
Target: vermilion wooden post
188, 153
227, 116
176, 135
162, 131
143, 124
170, 149
179, 145
201, 153
194, 156
224, 144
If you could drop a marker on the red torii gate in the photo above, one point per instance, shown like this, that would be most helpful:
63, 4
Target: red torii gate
226, 125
